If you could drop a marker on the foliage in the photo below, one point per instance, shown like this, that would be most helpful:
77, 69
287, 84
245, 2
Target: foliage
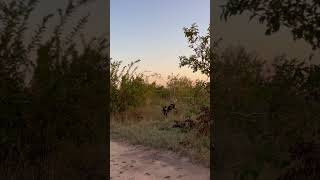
301, 16
179, 87
199, 61
275, 106
128, 89
132, 90
274, 111
65, 99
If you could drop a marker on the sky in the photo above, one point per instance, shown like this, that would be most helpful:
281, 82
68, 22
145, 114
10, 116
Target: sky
239, 31
151, 30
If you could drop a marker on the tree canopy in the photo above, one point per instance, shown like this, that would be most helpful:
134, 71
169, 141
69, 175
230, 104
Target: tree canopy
301, 17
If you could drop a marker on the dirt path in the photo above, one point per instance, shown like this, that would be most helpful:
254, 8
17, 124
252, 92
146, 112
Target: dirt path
141, 163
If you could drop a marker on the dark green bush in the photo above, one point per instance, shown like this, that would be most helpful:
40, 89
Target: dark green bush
52, 90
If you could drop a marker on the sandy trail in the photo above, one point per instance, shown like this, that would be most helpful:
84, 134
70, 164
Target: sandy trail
128, 162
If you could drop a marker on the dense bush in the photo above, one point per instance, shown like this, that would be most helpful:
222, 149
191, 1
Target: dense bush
271, 109
275, 110
132, 90
128, 89
52, 91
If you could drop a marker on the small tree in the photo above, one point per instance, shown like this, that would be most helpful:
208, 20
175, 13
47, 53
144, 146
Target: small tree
200, 60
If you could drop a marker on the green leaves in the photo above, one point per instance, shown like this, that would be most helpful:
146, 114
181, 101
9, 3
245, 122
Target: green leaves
200, 60
128, 88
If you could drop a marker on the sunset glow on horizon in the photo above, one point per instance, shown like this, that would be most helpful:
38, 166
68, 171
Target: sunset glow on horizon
152, 31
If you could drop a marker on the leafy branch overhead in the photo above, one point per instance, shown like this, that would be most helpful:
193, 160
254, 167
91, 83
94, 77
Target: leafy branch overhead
301, 17
200, 45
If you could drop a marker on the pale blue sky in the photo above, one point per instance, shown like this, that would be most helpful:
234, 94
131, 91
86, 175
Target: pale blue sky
151, 30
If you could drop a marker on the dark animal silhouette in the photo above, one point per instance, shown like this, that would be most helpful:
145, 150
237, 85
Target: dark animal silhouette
171, 107
166, 110
187, 123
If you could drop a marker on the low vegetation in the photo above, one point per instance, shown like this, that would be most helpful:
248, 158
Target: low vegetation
275, 113
137, 111
270, 108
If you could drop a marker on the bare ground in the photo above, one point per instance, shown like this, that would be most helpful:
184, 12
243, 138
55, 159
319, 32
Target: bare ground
131, 162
